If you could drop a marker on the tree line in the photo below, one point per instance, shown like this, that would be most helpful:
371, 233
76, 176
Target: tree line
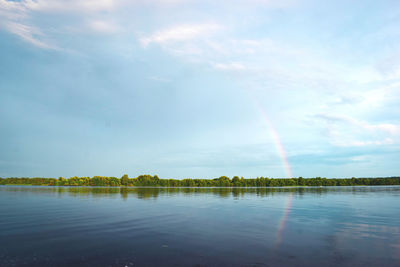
223, 181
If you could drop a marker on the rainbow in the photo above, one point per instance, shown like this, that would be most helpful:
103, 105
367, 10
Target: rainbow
275, 136
285, 161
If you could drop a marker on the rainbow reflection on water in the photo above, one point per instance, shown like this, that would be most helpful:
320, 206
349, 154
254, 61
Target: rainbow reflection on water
286, 164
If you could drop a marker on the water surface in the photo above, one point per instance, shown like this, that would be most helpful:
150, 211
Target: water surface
98, 226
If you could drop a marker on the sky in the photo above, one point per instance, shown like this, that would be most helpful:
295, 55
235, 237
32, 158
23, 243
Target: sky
199, 89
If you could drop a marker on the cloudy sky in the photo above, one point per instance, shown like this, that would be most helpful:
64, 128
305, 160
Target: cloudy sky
187, 88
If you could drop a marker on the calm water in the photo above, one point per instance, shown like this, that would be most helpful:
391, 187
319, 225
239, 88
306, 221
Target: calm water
83, 226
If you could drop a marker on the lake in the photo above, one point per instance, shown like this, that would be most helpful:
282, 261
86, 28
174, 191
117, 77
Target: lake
100, 226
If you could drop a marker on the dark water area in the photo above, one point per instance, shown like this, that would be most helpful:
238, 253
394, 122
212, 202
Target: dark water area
97, 226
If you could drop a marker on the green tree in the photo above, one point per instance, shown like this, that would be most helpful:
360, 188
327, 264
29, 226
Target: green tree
125, 180
236, 181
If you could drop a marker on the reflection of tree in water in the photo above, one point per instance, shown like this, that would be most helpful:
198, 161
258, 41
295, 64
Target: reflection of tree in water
155, 192
124, 193
146, 193
93, 191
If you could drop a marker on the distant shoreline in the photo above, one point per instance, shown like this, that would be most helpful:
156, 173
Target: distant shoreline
223, 181
249, 187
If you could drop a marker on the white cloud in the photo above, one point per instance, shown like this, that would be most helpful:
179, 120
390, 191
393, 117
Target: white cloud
390, 128
69, 5
29, 34
181, 33
102, 26
233, 66
273, 3
99, 11
347, 131
11, 10
16, 17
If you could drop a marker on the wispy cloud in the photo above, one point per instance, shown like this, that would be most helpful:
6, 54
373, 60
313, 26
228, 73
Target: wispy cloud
14, 16
181, 33
30, 34
103, 26
11, 10
233, 66
69, 5
18, 17
348, 131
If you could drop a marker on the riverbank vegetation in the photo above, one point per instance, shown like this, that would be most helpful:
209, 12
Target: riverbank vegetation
223, 181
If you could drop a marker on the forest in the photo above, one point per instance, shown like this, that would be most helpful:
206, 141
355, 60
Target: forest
223, 181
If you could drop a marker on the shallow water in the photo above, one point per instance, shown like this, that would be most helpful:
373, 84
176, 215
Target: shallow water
97, 226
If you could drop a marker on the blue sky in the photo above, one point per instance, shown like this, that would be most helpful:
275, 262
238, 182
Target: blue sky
186, 88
